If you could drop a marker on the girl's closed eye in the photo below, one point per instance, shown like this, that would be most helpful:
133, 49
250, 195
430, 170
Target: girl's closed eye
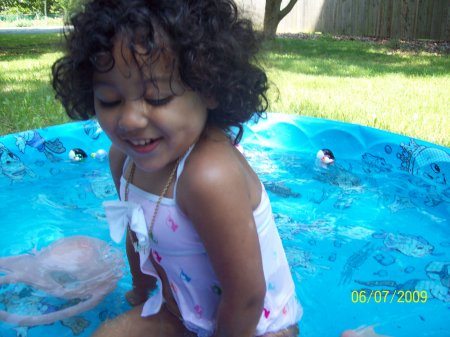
108, 104
159, 101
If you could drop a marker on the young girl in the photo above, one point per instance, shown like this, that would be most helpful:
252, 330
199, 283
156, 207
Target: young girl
166, 81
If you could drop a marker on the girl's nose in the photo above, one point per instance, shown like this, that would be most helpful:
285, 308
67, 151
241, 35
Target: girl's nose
133, 115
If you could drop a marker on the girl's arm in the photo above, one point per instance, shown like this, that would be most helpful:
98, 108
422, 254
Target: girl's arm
215, 195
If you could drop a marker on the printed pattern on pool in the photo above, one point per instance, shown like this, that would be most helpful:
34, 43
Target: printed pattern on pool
367, 237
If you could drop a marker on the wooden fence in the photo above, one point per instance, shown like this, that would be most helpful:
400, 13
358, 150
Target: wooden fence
404, 19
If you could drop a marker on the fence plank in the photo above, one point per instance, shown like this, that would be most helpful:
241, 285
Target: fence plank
438, 17
385, 19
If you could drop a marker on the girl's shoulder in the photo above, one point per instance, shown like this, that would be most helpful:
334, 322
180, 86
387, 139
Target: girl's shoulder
215, 165
213, 157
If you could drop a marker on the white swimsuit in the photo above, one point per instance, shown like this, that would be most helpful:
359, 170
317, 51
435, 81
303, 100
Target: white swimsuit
182, 255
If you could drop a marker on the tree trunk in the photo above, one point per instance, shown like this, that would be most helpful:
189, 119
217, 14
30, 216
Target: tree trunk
273, 14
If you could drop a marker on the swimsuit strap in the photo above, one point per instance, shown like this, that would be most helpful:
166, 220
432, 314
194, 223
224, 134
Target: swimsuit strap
126, 162
125, 165
180, 169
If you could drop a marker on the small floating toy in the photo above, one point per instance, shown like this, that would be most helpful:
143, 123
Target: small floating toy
77, 155
325, 157
99, 155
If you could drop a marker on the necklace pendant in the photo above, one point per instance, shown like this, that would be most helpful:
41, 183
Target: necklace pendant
140, 248
136, 247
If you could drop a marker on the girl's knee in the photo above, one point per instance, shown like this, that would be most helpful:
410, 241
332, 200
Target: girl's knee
292, 331
131, 324
128, 324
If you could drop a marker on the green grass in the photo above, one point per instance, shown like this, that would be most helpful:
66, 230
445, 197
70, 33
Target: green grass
362, 82
352, 81
49, 21
26, 96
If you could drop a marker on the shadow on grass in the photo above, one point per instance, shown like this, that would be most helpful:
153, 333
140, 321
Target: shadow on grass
16, 46
324, 56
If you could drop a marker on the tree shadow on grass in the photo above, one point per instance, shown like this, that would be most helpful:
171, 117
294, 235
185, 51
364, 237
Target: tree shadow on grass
16, 46
329, 57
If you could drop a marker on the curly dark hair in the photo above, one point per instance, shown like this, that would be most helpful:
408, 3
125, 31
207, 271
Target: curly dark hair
215, 51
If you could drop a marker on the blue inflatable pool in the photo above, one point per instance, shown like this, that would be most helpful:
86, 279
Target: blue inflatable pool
367, 236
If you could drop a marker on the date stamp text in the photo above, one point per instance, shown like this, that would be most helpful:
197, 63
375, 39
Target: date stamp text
389, 296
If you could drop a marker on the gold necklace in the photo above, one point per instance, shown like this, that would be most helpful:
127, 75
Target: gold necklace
155, 212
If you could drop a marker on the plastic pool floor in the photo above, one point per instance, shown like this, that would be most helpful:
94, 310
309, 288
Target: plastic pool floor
367, 238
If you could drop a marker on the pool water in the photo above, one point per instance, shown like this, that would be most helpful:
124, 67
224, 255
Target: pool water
367, 238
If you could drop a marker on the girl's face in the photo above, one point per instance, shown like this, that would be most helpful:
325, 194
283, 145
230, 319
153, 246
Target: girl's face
146, 111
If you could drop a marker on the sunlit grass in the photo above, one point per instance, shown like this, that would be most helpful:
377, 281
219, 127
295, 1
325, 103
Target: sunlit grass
364, 83
351, 81
32, 23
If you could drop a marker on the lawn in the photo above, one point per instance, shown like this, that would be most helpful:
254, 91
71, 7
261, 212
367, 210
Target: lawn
354, 81
10, 21
367, 83
26, 96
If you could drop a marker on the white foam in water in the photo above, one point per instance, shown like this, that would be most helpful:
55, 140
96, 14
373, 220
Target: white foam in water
367, 237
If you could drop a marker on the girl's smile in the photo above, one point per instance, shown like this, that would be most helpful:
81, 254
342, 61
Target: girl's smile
145, 109
145, 146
